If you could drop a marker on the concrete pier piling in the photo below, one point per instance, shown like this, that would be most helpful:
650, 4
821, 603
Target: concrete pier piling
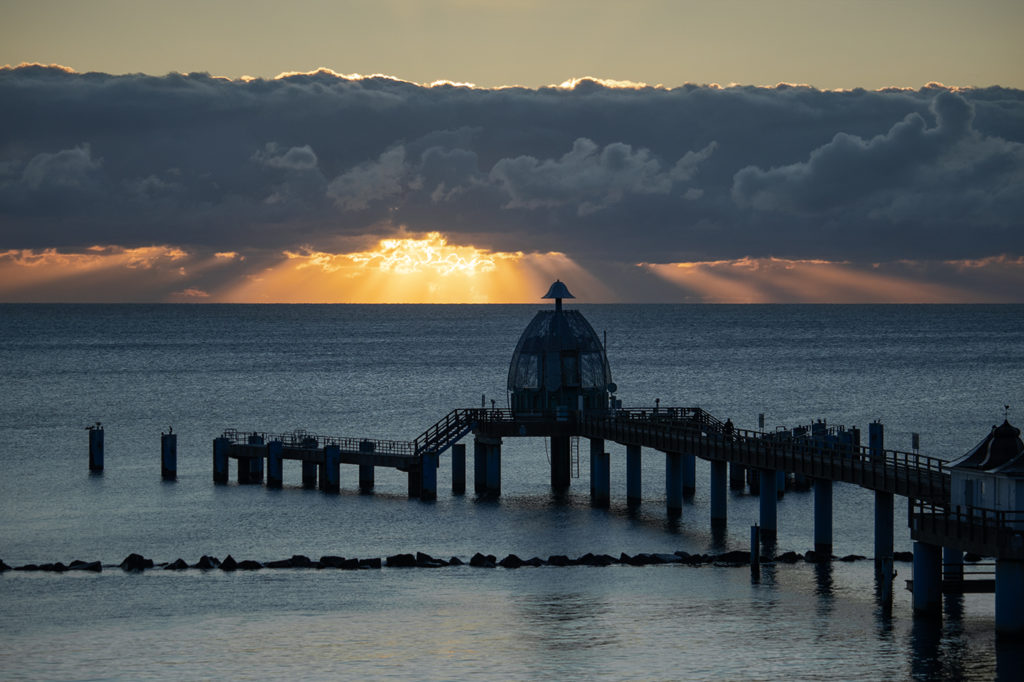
1009, 597
689, 475
459, 469
600, 478
168, 456
927, 591
480, 467
561, 462
366, 478
596, 448
769, 500
719, 493
428, 476
332, 469
633, 475
220, 460
674, 483
823, 517
275, 464
493, 478
309, 474
96, 448
737, 476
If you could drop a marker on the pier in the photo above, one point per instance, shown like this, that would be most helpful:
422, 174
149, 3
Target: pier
560, 389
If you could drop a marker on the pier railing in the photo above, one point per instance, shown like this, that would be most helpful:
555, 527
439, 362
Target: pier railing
988, 532
304, 439
904, 473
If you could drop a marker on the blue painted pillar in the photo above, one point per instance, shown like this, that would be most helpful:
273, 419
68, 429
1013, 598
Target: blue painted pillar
1009, 597
737, 476
719, 492
927, 595
823, 517
494, 468
332, 469
633, 475
674, 483
769, 504
220, 459
601, 473
561, 462
95, 448
883, 527
275, 464
168, 456
428, 472
459, 469
480, 466
596, 448
308, 474
952, 564
689, 475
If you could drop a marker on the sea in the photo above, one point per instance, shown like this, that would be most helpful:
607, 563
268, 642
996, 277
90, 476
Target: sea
945, 372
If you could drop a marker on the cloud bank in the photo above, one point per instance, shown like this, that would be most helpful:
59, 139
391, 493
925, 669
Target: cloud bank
609, 176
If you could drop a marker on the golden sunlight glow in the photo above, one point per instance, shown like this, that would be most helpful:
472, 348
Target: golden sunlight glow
778, 280
414, 270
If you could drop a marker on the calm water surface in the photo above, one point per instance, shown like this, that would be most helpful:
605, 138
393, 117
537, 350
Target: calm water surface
389, 372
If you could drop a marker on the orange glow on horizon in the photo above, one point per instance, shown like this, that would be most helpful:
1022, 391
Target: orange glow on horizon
411, 270
778, 280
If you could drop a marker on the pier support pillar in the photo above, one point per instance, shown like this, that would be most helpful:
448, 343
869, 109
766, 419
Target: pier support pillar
823, 517
275, 464
1009, 597
220, 459
428, 476
674, 483
596, 448
883, 526
415, 483
365, 478
308, 474
769, 504
494, 468
250, 469
561, 462
927, 595
754, 481
737, 476
780, 483
601, 478
952, 564
168, 456
689, 475
480, 466
332, 469
719, 492
459, 469
95, 448
633, 476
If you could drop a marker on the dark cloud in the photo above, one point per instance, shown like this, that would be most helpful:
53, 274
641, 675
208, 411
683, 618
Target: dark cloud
616, 175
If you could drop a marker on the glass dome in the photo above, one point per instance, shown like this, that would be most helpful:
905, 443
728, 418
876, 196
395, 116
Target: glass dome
559, 362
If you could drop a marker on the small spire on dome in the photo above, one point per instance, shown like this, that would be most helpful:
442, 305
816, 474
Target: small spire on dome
558, 291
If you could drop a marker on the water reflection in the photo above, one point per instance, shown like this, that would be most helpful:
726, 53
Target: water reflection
556, 620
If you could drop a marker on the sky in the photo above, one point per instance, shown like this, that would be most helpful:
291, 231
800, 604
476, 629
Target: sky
473, 151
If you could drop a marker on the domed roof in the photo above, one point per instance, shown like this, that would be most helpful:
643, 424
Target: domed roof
559, 356
1001, 450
